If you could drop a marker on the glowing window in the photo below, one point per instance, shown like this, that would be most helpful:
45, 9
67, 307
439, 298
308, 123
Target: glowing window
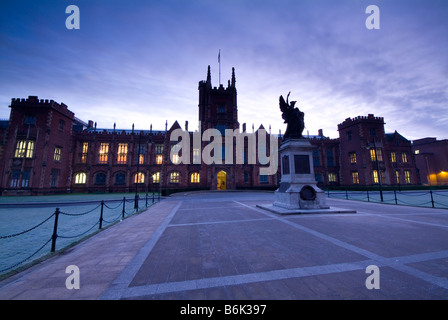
80, 178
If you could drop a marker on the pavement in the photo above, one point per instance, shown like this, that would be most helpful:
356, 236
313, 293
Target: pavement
221, 246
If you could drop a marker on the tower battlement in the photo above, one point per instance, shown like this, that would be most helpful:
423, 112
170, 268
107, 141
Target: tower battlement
35, 102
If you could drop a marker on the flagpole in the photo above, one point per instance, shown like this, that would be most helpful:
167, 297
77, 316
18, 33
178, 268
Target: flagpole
219, 61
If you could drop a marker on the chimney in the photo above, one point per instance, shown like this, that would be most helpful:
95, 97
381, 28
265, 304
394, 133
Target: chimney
321, 133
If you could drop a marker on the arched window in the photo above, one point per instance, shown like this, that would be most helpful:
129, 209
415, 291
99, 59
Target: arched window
156, 177
80, 178
195, 176
120, 178
100, 178
139, 177
174, 177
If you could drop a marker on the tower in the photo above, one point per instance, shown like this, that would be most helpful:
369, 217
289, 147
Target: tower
218, 105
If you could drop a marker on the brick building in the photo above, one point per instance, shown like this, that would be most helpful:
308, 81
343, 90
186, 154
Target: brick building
369, 156
44, 148
431, 156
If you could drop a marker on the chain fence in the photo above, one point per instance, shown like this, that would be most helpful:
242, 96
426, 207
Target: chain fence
67, 223
417, 198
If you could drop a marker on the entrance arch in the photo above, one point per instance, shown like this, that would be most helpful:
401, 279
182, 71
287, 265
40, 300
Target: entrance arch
222, 180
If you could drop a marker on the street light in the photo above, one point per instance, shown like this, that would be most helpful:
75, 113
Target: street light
377, 166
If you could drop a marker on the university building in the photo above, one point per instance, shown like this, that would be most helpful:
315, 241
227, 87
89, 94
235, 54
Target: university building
44, 148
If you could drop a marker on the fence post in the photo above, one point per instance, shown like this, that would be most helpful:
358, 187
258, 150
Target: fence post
55, 230
146, 200
124, 208
432, 199
153, 198
101, 214
368, 197
395, 194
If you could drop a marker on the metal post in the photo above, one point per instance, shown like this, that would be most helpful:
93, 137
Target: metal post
124, 208
378, 168
432, 198
368, 198
101, 214
55, 230
395, 194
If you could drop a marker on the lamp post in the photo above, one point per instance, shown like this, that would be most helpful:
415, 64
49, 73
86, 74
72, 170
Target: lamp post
377, 166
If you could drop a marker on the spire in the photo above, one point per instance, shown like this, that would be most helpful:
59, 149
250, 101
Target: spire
233, 78
209, 78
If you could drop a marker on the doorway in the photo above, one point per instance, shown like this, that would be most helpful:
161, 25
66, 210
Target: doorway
222, 180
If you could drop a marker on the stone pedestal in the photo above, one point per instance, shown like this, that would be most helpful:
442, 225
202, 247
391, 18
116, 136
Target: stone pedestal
298, 187
298, 191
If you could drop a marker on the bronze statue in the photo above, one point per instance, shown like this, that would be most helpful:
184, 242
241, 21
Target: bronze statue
294, 118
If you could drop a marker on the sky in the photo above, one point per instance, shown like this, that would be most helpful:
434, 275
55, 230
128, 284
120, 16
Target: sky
140, 61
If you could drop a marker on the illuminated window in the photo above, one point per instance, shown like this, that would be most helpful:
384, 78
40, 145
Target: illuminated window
195, 177
57, 154
24, 149
393, 156
352, 157
80, 178
85, 148
139, 177
397, 176
379, 155
104, 153
156, 177
159, 158
332, 177
141, 159
122, 154
355, 177
375, 176
175, 154
417, 152
174, 177
404, 157
407, 176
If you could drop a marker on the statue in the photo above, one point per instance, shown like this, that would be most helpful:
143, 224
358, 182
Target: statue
294, 118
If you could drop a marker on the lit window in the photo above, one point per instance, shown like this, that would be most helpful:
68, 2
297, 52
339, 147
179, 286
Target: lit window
141, 159
417, 152
175, 159
139, 177
174, 177
352, 157
404, 157
24, 149
393, 156
85, 148
397, 176
122, 154
375, 176
332, 177
407, 176
57, 154
104, 153
195, 177
80, 178
159, 159
156, 177
379, 155
355, 177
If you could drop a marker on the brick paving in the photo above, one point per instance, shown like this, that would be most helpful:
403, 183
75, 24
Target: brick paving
221, 246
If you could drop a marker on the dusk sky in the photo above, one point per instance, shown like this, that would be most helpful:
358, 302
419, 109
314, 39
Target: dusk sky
140, 61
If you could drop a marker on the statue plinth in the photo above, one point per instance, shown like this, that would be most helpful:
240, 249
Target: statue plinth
298, 187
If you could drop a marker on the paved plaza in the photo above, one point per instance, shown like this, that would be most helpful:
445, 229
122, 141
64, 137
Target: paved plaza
221, 246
